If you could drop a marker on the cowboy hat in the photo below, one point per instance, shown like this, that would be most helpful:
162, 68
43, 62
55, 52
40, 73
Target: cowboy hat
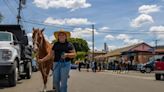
68, 34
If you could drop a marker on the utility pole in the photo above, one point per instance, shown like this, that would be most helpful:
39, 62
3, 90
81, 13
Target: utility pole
19, 10
156, 43
156, 46
93, 42
21, 2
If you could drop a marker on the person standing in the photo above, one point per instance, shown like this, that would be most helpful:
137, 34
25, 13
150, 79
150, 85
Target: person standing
79, 66
92, 66
63, 52
95, 66
87, 65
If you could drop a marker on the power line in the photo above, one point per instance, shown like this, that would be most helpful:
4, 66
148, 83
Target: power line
72, 27
16, 2
9, 7
43, 24
130, 32
50, 25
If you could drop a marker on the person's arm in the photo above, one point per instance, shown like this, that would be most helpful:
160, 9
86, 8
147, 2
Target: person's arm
71, 54
46, 58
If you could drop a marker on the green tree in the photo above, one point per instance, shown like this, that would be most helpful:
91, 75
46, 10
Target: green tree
80, 55
79, 44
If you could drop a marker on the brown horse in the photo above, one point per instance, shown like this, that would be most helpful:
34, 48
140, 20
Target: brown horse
42, 47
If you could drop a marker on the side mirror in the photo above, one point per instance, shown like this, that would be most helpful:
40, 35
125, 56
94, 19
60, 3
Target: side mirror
15, 42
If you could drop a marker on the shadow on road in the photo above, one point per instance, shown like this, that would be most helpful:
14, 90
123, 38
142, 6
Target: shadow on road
4, 84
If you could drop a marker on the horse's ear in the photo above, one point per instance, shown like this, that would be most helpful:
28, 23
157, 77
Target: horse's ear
33, 28
42, 30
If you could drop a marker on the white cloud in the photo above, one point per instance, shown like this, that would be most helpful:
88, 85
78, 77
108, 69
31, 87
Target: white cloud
128, 40
109, 37
146, 9
50, 20
95, 49
82, 33
132, 41
112, 47
141, 19
69, 4
104, 29
78, 21
158, 30
29, 35
89, 43
66, 21
122, 37
49, 38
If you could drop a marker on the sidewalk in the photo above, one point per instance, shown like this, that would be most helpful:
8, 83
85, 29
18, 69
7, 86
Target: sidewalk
131, 74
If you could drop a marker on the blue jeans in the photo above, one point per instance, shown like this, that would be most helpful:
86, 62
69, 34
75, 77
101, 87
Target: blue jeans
60, 75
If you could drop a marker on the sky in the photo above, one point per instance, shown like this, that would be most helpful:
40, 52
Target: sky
118, 23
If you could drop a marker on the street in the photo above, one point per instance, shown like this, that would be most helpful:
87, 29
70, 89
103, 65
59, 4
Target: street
83, 81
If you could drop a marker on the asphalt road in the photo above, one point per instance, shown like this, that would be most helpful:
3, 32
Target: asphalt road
94, 82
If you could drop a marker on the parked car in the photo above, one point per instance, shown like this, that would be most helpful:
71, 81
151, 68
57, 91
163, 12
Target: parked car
147, 67
74, 66
139, 66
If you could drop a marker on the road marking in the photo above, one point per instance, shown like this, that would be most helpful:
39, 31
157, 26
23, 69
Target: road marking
129, 76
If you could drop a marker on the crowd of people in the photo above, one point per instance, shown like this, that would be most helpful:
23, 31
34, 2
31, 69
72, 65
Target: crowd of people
94, 66
115, 66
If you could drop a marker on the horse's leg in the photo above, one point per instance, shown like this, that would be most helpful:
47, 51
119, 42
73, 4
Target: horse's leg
49, 67
45, 79
43, 76
46, 71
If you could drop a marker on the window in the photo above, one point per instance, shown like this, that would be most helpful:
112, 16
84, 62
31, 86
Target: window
5, 37
14, 38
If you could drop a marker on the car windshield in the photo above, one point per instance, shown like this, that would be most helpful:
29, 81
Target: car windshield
5, 37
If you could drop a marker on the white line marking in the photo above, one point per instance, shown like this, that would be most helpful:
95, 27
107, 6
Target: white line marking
129, 76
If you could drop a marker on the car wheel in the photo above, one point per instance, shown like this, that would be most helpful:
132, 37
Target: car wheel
158, 76
147, 70
142, 71
28, 70
13, 77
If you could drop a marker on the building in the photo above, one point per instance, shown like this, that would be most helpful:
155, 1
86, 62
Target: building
159, 50
97, 55
138, 53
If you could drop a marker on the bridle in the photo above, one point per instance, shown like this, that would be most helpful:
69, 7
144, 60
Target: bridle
36, 44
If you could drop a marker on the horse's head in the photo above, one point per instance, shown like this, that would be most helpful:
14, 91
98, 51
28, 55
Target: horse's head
37, 39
